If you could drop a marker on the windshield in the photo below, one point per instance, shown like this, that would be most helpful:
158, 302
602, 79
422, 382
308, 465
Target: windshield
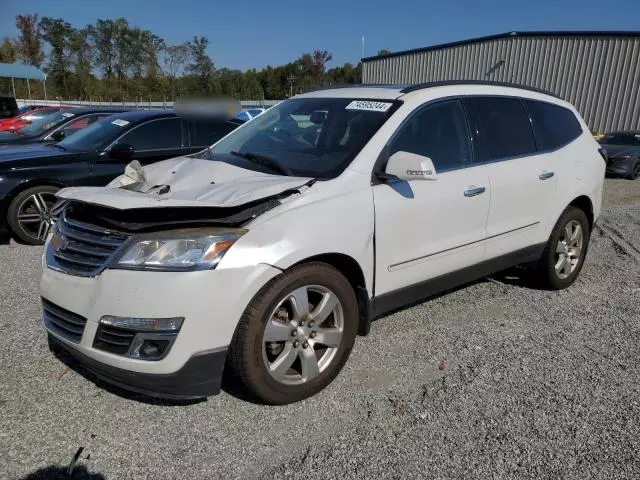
621, 139
96, 136
307, 137
45, 123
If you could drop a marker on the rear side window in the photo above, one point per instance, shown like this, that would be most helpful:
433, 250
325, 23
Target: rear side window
155, 135
505, 131
203, 133
438, 131
553, 126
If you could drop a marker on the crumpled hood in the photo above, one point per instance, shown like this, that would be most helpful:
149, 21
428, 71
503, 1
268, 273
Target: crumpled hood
192, 183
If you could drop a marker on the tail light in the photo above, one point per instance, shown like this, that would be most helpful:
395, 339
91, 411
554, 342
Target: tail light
603, 154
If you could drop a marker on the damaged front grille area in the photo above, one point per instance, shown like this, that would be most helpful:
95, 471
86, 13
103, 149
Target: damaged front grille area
80, 248
87, 237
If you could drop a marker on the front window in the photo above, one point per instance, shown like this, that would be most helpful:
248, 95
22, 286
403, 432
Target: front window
96, 136
306, 137
45, 123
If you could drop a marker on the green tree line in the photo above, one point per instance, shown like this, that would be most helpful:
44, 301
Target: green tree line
112, 60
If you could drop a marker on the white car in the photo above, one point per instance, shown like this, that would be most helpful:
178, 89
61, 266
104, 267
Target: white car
267, 254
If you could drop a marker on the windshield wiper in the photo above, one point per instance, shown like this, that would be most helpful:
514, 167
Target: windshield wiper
262, 160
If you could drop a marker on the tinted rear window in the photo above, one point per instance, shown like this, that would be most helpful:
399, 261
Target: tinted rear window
203, 133
553, 126
505, 130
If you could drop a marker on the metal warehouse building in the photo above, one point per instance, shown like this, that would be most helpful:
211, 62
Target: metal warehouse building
599, 72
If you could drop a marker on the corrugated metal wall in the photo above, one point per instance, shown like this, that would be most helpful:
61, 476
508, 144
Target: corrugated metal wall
599, 75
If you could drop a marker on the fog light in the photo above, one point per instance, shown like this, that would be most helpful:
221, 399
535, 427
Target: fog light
155, 346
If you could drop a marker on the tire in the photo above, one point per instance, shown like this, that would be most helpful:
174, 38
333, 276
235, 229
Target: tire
635, 171
29, 214
547, 273
251, 357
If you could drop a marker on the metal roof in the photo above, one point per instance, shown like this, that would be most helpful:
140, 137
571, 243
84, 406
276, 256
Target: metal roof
506, 35
17, 70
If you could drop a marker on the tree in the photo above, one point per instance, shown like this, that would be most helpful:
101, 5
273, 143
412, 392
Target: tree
8, 51
28, 44
58, 33
384, 52
202, 65
320, 60
174, 58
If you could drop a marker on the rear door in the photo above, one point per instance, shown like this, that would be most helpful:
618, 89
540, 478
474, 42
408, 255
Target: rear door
523, 183
425, 229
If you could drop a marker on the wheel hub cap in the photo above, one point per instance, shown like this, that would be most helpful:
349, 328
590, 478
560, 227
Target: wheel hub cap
569, 249
302, 335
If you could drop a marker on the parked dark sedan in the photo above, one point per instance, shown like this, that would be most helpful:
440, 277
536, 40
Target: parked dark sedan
57, 125
623, 153
30, 175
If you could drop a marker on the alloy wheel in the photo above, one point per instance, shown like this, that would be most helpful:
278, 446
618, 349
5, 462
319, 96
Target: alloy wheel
302, 335
36, 215
569, 249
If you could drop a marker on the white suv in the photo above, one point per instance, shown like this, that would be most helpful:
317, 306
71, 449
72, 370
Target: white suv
265, 255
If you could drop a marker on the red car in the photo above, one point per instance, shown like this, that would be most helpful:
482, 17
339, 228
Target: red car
24, 119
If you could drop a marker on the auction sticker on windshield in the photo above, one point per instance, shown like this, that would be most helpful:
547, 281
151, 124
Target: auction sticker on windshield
67, 115
119, 122
369, 106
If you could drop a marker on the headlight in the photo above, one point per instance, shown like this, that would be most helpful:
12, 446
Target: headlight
175, 251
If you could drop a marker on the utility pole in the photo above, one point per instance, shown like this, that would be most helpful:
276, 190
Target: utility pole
291, 79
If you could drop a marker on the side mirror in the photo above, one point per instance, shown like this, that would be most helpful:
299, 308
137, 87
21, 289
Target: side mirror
408, 166
123, 152
57, 135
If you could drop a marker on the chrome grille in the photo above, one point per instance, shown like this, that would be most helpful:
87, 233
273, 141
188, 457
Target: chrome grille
82, 249
62, 322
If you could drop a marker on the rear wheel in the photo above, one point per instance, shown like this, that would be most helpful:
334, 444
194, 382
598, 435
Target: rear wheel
296, 334
565, 251
30, 216
635, 171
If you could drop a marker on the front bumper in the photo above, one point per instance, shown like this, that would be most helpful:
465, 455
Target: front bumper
622, 166
211, 302
200, 377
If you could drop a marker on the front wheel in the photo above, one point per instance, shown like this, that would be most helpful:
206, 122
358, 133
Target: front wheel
30, 214
296, 334
565, 251
635, 171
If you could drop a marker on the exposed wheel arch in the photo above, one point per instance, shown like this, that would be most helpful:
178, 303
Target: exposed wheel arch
351, 269
584, 203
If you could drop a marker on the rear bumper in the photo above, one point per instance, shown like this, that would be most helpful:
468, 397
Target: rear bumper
200, 377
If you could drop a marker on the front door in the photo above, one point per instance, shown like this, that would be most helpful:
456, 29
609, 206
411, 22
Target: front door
427, 228
155, 140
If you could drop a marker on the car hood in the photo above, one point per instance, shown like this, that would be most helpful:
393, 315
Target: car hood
31, 155
188, 182
621, 151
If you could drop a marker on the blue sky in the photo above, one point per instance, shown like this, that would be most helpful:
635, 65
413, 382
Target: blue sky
248, 33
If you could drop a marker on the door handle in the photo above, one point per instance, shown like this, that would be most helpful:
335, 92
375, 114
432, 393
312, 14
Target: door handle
545, 175
473, 191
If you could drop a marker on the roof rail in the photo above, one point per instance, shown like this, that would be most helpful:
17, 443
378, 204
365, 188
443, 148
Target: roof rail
357, 85
420, 86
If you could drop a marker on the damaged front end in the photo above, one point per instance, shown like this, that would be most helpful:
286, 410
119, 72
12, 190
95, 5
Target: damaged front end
165, 224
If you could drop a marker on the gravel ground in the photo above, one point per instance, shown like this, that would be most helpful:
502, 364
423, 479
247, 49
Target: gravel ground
494, 380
